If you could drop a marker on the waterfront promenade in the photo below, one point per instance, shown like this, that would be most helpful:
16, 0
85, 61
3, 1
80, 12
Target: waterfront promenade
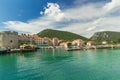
93, 47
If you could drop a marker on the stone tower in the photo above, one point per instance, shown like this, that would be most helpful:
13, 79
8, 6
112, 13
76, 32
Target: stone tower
9, 39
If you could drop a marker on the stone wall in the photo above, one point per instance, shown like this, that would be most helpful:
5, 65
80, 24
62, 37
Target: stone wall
9, 39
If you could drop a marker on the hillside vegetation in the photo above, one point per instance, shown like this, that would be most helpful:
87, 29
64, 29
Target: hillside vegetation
106, 35
62, 35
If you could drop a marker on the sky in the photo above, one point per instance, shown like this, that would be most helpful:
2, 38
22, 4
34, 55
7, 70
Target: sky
84, 17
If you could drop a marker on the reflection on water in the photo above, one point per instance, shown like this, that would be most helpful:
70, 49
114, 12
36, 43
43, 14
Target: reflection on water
58, 64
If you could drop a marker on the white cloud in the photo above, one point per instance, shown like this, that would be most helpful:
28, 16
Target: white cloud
91, 28
100, 20
51, 15
91, 10
85, 12
53, 11
112, 5
92, 15
33, 26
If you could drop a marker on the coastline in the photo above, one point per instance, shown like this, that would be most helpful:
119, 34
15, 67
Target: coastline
93, 47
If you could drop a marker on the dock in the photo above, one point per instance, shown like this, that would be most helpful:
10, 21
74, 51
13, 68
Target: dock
93, 47
16, 51
21, 50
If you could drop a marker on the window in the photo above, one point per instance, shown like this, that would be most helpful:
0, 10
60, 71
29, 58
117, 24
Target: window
11, 41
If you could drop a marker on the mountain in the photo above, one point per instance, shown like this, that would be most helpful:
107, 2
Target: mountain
106, 35
62, 35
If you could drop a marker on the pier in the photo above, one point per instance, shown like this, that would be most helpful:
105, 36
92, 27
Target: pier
93, 47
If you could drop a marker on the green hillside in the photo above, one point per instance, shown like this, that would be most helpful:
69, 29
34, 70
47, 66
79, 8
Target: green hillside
106, 35
63, 35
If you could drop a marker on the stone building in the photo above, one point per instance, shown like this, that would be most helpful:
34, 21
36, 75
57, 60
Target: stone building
104, 42
78, 42
66, 44
34, 39
26, 39
90, 43
55, 41
9, 39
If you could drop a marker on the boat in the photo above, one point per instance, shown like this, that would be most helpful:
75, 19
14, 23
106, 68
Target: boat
74, 49
27, 48
3, 50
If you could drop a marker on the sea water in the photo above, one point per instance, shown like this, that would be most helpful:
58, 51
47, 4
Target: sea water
58, 64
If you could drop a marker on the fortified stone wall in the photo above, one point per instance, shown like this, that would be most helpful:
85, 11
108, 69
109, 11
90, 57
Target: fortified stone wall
9, 39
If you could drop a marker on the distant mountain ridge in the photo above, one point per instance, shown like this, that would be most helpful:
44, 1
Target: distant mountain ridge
106, 35
62, 35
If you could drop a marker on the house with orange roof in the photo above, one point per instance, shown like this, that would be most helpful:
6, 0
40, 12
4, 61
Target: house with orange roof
65, 44
27, 39
104, 42
78, 42
35, 39
90, 43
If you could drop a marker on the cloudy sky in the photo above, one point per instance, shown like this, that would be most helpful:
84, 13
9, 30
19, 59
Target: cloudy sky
84, 17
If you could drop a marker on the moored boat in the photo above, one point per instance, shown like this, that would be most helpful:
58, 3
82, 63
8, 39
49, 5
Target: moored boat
3, 50
27, 48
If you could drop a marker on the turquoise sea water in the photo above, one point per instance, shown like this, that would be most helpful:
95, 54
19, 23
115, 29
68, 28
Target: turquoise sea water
57, 64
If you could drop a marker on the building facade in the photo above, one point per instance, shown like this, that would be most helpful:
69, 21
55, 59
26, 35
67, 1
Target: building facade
55, 41
78, 42
34, 39
90, 43
66, 44
9, 39
26, 39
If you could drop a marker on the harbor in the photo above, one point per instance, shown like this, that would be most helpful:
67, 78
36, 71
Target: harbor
30, 48
59, 39
16, 51
94, 47
58, 64
23, 48
11, 42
